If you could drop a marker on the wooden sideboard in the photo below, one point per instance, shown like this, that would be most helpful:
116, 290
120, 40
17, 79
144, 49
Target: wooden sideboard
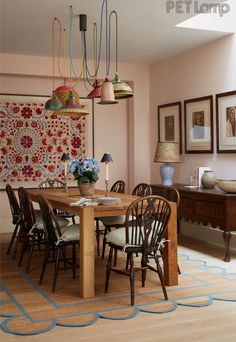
207, 206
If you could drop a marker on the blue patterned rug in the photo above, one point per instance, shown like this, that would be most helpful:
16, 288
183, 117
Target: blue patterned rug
32, 309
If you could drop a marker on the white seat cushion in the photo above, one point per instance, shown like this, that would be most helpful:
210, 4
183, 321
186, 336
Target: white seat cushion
63, 222
70, 233
117, 237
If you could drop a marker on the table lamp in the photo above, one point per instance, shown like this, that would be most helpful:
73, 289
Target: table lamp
106, 158
167, 152
65, 158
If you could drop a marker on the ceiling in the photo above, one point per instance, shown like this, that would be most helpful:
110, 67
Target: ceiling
146, 34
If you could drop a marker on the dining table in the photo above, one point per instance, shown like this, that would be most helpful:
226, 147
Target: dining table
66, 200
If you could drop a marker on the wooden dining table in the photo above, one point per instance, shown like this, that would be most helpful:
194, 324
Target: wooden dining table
61, 199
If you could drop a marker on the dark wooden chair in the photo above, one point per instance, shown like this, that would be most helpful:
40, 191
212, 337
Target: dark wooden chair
172, 195
16, 219
32, 232
56, 241
56, 183
32, 229
119, 187
143, 232
142, 190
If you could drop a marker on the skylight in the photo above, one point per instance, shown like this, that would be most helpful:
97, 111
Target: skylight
223, 22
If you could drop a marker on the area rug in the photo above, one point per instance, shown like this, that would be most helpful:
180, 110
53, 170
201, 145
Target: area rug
30, 309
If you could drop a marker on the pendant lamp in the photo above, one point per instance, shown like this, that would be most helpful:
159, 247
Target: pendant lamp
121, 89
96, 92
72, 104
54, 102
70, 100
107, 93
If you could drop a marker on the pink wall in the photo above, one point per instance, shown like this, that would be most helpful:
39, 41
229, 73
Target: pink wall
207, 70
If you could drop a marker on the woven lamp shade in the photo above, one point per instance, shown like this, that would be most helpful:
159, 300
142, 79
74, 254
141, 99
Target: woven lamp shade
71, 102
121, 89
63, 93
167, 152
53, 103
107, 93
96, 92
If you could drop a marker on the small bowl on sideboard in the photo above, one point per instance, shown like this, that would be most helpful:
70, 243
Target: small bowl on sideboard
228, 186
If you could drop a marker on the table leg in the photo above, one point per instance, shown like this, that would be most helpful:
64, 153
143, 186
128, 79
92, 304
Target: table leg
170, 250
87, 282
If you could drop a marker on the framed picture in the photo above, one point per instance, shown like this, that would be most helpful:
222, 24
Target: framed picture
169, 123
198, 118
226, 122
33, 140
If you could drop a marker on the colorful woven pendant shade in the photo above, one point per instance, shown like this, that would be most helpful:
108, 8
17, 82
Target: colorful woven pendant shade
107, 93
121, 89
71, 102
96, 92
53, 103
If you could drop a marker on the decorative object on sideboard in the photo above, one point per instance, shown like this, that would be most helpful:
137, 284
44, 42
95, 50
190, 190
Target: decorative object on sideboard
106, 158
167, 153
208, 179
228, 186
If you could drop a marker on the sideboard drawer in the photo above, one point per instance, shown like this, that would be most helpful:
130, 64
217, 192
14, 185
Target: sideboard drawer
214, 210
186, 205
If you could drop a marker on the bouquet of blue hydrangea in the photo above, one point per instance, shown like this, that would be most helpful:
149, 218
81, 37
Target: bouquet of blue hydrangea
85, 171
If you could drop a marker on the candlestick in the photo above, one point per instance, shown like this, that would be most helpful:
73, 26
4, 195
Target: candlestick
107, 187
107, 172
65, 171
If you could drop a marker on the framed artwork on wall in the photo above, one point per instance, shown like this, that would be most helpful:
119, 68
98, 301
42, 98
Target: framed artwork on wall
198, 119
169, 123
226, 122
32, 140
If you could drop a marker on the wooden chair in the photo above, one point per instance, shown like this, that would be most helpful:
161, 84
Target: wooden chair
144, 232
56, 241
56, 183
172, 195
32, 230
142, 190
119, 187
16, 219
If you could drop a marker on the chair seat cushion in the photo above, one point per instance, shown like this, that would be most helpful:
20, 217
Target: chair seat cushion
63, 222
70, 233
113, 220
117, 237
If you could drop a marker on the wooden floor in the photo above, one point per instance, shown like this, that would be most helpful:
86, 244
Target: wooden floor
216, 322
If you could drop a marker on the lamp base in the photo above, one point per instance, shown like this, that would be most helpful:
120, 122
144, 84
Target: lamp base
167, 173
107, 187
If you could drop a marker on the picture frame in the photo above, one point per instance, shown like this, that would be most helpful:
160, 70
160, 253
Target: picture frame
226, 122
34, 139
169, 123
198, 120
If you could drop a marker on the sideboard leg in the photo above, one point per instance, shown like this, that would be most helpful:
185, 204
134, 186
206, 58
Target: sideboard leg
227, 236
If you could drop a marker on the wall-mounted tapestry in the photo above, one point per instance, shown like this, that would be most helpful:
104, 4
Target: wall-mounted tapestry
33, 140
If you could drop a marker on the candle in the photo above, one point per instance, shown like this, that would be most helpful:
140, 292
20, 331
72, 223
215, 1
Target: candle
107, 172
65, 172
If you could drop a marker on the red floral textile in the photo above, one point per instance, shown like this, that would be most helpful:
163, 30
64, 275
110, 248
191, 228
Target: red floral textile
32, 140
